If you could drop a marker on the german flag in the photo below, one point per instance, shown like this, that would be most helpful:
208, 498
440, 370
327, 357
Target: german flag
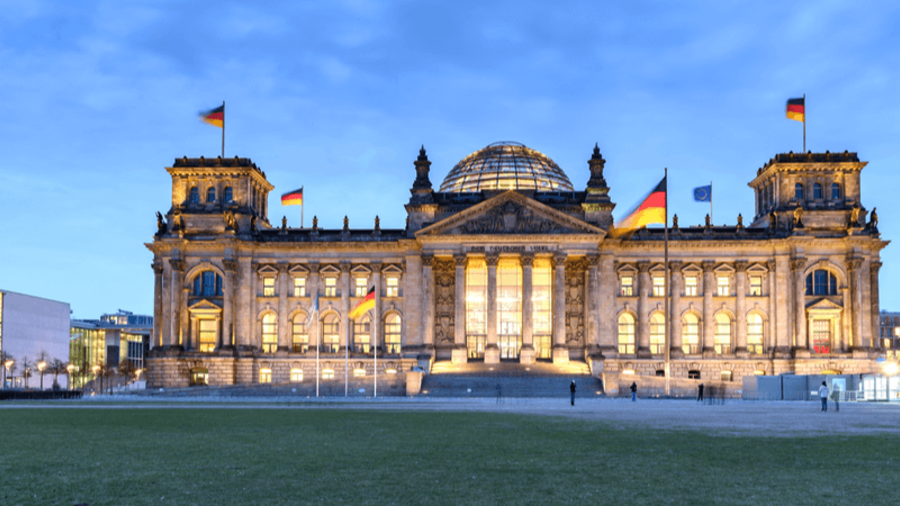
215, 117
796, 109
652, 209
294, 198
364, 305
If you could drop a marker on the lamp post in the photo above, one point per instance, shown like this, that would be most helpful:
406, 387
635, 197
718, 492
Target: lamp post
41, 366
69, 369
7, 365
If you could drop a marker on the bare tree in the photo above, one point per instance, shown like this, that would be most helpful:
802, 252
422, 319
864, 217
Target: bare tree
57, 367
26, 370
43, 357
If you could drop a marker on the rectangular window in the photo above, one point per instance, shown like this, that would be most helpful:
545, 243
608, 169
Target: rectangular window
821, 336
722, 282
268, 287
208, 334
265, 375
299, 335
328, 374
362, 287
659, 286
755, 286
299, 287
476, 307
296, 375
393, 287
627, 286
331, 287
690, 286
541, 302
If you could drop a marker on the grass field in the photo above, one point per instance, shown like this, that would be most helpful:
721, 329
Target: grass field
333, 456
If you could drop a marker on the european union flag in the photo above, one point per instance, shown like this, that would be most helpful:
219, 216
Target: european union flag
703, 193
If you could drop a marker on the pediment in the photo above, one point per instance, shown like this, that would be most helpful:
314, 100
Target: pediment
758, 268
824, 305
204, 306
692, 268
267, 269
298, 269
510, 213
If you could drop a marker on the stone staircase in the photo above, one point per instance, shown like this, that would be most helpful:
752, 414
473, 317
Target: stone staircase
514, 380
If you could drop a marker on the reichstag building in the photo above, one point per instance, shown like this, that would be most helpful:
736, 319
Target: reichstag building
509, 262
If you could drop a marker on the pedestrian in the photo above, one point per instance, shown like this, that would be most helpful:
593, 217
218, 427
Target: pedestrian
823, 394
633, 391
572, 389
836, 396
700, 393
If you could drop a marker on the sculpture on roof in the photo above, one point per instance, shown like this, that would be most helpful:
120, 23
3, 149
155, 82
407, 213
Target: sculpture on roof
798, 217
160, 224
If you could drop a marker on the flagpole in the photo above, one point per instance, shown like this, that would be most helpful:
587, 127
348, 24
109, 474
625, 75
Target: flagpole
223, 129
710, 202
302, 198
375, 350
316, 315
804, 122
668, 303
347, 359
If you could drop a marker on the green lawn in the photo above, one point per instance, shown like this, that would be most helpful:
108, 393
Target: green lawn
334, 457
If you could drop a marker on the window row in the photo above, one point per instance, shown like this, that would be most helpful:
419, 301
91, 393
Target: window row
691, 284
359, 288
199, 376
818, 193
227, 195
362, 339
690, 334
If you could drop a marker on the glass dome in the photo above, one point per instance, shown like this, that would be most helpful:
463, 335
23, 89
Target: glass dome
506, 166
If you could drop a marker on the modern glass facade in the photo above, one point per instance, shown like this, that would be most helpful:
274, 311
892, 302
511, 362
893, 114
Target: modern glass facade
87, 348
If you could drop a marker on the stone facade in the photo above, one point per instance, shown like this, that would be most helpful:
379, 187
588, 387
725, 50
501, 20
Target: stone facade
514, 274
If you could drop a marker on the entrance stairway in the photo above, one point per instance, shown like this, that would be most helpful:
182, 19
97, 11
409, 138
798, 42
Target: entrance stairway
541, 379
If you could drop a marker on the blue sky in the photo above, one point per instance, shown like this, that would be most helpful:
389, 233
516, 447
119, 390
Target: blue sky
96, 98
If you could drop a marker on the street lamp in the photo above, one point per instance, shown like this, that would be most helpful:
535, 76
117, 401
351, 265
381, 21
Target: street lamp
41, 366
69, 369
8, 365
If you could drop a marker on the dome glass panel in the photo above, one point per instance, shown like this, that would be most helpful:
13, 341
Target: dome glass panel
506, 166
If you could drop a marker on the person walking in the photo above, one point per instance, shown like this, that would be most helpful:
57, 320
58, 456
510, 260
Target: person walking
572, 390
823, 394
836, 396
633, 391
700, 393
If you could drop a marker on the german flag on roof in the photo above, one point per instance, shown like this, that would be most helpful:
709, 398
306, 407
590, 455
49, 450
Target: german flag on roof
650, 210
796, 109
294, 198
215, 117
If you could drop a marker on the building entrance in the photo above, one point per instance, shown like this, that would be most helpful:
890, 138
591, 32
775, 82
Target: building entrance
509, 346
475, 345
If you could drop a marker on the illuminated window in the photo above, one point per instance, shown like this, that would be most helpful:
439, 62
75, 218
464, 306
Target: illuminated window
331, 333
817, 191
328, 374
755, 286
722, 284
690, 334
269, 333
393, 286
207, 284
210, 195
199, 377
331, 287
723, 334
296, 375
835, 191
476, 307
359, 373
821, 282
725, 375
362, 287
659, 286
754, 333
209, 330
229, 195
265, 375
627, 289
798, 191
542, 315
626, 334
509, 308
821, 336
300, 287
392, 333
268, 287
195, 196
657, 333
299, 335
361, 337
690, 286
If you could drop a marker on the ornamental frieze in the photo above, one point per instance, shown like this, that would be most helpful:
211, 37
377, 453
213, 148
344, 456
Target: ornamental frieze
575, 296
512, 218
444, 300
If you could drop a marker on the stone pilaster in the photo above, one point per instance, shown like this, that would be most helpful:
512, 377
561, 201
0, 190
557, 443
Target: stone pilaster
254, 331
243, 297
606, 304
709, 321
312, 288
798, 265
177, 269
591, 302
675, 288
527, 353
643, 310
428, 302
183, 324
227, 337
345, 305
158, 270
740, 308
875, 305
413, 295
284, 330
459, 354
858, 340
491, 349
560, 351
377, 327
781, 297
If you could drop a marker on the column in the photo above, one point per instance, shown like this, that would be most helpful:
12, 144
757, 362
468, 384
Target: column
184, 324
858, 341
843, 343
243, 318
345, 305
192, 338
312, 287
428, 302
798, 265
177, 266
226, 339
874, 304
459, 355
254, 332
491, 350
377, 328
591, 301
413, 293
157, 304
284, 329
783, 330
740, 307
560, 351
526, 355
643, 310
606, 307
674, 311
709, 322
769, 339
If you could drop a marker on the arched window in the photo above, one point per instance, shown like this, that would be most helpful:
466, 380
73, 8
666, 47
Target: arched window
229, 195
299, 334
657, 333
821, 282
270, 333
195, 196
723, 334
755, 333
392, 333
208, 284
211, 195
817, 191
835, 191
690, 334
626, 334
798, 191
361, 337
331, 327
